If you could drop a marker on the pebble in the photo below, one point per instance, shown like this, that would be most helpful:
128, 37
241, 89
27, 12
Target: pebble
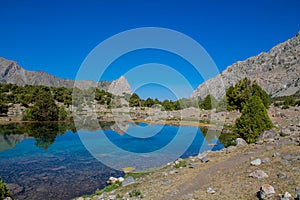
204, 159
281, 175
174, 171
275, 154
287, 195
165, 174
265, 160
240, 142
193, 165
210, 190
256, 162
266, 191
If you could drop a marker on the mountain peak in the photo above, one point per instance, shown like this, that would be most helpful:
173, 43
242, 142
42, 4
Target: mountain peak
120, 87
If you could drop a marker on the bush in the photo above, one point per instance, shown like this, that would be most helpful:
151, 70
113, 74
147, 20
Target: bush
3, 191
253, 121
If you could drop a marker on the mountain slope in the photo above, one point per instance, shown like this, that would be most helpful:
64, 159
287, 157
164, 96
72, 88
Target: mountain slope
276, 71
11, 72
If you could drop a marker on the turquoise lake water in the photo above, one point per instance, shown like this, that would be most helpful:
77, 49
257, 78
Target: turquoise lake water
50, 161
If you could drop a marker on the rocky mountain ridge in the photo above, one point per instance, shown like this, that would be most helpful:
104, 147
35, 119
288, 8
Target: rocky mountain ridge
12, 72
276, 71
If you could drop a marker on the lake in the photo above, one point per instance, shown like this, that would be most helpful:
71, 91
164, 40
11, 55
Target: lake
58, 161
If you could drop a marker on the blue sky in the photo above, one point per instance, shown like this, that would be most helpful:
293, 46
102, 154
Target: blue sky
56, 36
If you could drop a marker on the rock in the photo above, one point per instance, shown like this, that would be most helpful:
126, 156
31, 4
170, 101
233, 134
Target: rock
276, 154
128, 181
266, 191
204, 159
285, 162
14, 188
80, 198
240, 142
120, 87
285, 132
120, 179
258, 174
267, 136
297, 193
265, 160
174, 171
287, 196
210, 190
8, 198
165, 174
277, 66
193, 165
111, 180
256, 162
281, 175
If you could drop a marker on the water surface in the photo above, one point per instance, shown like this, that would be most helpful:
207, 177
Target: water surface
56, 161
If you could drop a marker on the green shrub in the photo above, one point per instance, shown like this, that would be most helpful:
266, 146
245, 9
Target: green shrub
135, 193
3, 191
253, 121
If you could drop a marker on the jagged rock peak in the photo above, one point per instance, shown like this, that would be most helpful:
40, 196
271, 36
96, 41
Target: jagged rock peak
276, 71
120, 87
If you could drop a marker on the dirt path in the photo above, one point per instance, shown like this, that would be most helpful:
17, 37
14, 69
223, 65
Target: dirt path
230, 164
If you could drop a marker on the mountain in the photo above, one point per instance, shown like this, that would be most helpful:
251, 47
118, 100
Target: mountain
12, 72
276, 71
120, 87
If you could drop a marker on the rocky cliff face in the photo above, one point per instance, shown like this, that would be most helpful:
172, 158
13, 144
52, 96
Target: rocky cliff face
11, 72
120, 87
276, 71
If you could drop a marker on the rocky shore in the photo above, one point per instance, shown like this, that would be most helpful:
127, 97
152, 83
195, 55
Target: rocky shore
269, 169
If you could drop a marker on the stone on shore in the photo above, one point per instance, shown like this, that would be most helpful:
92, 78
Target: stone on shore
240, 142
266, 191
128, 181
258, 174
256, 162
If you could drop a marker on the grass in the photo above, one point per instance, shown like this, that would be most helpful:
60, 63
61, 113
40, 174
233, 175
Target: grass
181, 163
109, 188
136, 175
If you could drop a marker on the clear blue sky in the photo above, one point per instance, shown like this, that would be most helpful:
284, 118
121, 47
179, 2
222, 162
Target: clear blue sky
55, 36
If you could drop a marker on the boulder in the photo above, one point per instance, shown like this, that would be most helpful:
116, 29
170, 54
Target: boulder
266, 191
258, 174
